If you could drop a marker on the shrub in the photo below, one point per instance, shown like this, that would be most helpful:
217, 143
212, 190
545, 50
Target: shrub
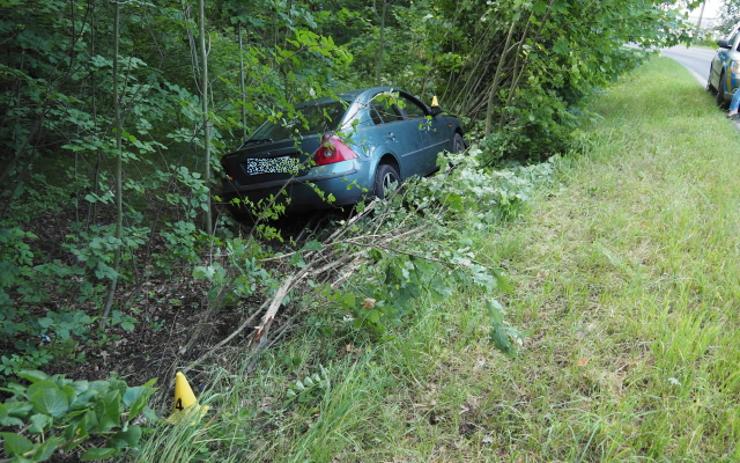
97, 419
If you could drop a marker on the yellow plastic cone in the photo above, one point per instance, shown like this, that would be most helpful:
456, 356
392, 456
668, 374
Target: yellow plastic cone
184, 400
184, 397
435, 102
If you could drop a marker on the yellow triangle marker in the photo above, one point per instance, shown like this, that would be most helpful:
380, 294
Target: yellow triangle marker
435, 102
185, 402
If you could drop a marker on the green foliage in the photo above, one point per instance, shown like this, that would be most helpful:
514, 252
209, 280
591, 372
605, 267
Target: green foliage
53, 413
729, 16
310, 389
58, 240
32, 340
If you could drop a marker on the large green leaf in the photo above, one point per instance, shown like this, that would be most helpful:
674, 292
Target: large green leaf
48, 398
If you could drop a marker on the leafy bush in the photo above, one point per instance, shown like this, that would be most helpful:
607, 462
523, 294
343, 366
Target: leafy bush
97, 419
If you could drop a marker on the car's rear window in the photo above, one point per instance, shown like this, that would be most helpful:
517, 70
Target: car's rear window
316, 118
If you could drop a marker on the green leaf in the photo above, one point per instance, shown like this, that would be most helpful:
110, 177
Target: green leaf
33, 376
500, 338
108, 411
39, 422
14, 408
10, 421
128, 438
132, 394
6, 419
97, 454
136, 398
48, 398
15, 444
312, 245
44, 450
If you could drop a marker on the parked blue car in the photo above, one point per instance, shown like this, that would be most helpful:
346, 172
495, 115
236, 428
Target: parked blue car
724, 72
339, 151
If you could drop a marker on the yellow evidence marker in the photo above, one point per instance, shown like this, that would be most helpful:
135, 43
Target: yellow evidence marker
185, 402
435, 102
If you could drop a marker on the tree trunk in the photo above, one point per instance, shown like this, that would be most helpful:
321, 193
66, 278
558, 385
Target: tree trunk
91, 211
518, 73
206, 119
381, 45
119, 167
497, 77
241, 82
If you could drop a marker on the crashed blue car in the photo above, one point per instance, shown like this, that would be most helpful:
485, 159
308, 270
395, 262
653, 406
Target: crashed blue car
339, 151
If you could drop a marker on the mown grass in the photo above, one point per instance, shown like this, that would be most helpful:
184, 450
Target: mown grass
625, 281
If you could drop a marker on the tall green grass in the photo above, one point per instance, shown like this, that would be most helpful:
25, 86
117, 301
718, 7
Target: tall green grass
625, 281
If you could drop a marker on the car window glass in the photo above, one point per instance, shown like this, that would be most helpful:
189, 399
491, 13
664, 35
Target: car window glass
313, 118
388, 110
412, 108
732, 38
375, 115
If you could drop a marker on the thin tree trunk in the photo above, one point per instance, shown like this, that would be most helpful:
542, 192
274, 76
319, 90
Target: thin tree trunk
206, 119
119, 167
241, 82
72, 8
91, 212
381, 45
518, 73
497, 77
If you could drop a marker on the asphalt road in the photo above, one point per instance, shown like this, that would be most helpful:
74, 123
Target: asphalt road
695, 59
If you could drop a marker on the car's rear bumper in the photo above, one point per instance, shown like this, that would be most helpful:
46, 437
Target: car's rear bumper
332, 185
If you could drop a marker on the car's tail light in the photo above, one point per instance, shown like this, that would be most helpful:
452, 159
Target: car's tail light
331, 150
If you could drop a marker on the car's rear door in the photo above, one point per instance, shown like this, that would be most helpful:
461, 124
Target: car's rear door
398, 134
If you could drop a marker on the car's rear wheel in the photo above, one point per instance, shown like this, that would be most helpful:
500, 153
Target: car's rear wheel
710, 87
458, 144
387, 179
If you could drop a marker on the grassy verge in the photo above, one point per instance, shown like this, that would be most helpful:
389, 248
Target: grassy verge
625, 281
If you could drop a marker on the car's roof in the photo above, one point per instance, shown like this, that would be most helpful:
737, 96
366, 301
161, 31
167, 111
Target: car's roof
363, 94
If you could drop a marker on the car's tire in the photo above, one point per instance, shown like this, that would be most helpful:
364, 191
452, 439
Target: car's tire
721, 89
710, 87
458, 143
387, 179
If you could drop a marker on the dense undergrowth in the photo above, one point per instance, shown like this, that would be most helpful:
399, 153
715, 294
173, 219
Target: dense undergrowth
621, 273
108, 265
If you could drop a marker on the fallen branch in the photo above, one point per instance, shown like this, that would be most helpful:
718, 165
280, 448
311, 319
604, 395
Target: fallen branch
224, 341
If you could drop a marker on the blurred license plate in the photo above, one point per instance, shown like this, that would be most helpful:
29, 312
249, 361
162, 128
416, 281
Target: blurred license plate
279, 165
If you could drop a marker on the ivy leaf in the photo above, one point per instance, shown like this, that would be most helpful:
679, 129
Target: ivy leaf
48, 398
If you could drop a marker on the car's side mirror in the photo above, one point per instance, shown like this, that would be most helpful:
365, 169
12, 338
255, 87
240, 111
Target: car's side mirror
435, 110
722, 43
